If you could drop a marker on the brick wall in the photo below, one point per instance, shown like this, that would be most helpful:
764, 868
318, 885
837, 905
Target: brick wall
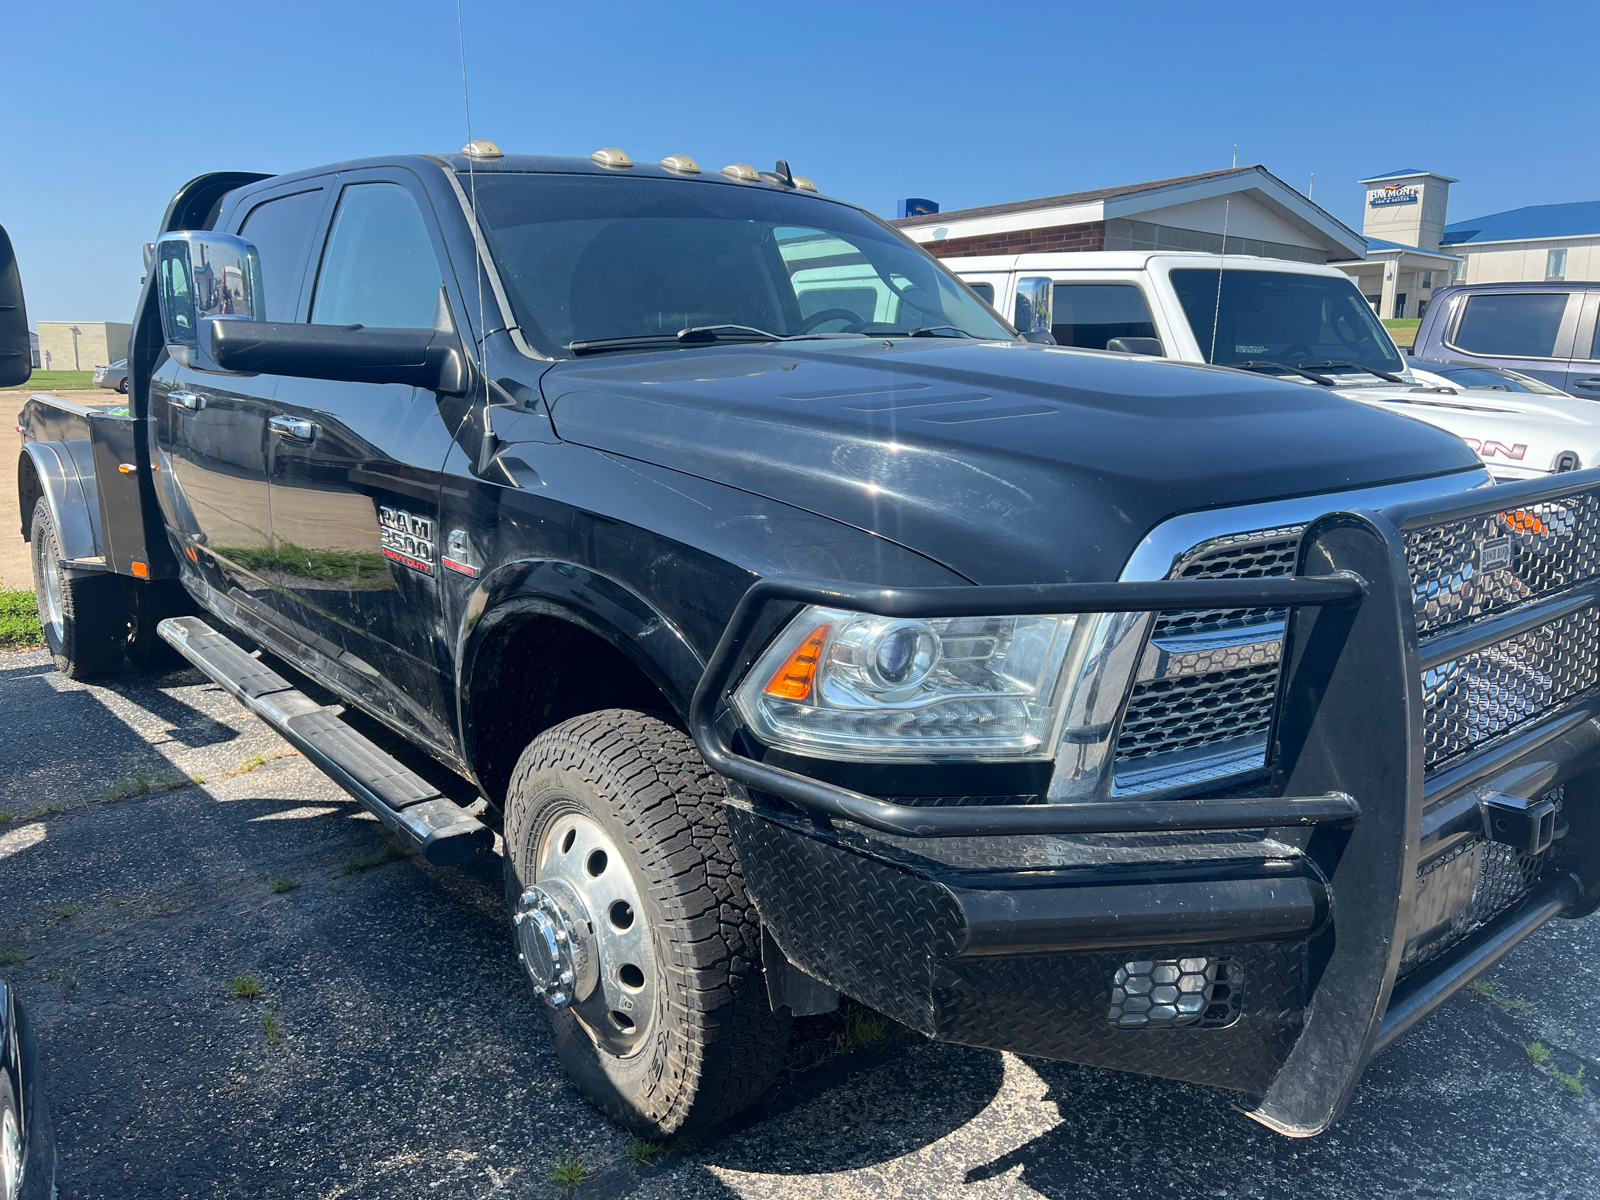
1089, 236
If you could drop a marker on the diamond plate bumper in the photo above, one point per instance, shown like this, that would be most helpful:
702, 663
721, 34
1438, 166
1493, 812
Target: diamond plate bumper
1004, 925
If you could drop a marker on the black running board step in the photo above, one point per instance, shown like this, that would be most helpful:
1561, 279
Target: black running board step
406, 803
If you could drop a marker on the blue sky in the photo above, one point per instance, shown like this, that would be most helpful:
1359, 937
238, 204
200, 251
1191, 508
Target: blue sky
110, 107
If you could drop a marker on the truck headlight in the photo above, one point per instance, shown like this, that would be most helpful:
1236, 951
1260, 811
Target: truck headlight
847, 685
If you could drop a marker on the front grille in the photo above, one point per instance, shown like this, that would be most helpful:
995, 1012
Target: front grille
1168, 716
1186, 709
1470, 699
1461, 571
1466, 570
1551, 546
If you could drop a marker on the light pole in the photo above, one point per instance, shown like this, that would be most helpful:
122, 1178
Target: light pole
76, 366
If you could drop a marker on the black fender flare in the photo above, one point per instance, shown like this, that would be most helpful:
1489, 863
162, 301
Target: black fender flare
588, 599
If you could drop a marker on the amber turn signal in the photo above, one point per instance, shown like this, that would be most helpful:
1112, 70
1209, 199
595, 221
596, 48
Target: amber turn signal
792, 680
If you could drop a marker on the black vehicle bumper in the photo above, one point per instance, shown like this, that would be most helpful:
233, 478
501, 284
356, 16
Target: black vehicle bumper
1017, 926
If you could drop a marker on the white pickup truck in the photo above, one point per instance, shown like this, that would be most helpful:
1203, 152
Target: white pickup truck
1295, 320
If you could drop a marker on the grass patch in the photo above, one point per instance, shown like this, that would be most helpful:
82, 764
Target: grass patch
1571, 1080
862, 1027
1489, 989
357, 863
642, 1152
145, 779
1538, 1054
5, 815
270, 1027
10, 956
246, 986
570, 1171
64, 912
1402, 329
283, 883
59, 381
19, 620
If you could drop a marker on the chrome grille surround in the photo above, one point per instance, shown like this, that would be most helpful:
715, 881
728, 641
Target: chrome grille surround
1208, 678
1249, 541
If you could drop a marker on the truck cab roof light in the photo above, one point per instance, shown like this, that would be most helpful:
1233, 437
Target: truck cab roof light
482, 148
610, 156
804, 184
743, 172
681, 163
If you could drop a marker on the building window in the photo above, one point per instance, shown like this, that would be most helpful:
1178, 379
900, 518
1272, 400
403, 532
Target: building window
1124, 234
1427, 279
1458, 273
1555, 265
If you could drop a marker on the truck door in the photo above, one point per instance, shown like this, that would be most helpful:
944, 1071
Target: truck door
355, 467
1531, 331
212, 428
1583, 372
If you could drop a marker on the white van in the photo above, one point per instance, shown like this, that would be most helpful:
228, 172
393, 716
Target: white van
1298, 321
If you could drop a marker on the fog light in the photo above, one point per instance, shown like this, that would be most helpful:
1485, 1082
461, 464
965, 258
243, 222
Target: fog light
1172, 993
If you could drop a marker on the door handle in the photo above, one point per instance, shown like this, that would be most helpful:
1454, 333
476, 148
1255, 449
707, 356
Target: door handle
303, 431
1590, 384
187, 400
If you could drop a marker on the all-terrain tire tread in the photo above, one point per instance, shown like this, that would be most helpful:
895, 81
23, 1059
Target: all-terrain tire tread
672, 805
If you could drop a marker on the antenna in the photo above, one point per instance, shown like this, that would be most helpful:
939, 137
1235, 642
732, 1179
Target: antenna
1216, 314
1312, 194
1236, 155
472, 185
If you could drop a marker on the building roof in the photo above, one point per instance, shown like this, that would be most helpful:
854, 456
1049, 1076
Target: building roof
1021, 206
1377, 245
1406, 173
1579, 219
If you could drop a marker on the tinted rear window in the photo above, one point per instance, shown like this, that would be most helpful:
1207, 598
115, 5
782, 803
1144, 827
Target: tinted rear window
1091, 314
1512, 326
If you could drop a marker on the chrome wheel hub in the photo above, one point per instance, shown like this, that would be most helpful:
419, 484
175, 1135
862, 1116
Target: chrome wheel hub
579, 858
10, 1155
556, 940
50, 606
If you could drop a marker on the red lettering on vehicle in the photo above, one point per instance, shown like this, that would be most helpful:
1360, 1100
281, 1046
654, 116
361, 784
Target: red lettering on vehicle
1515, 453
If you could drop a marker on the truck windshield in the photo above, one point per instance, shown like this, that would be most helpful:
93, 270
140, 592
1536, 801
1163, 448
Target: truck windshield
587, 258
1282, 317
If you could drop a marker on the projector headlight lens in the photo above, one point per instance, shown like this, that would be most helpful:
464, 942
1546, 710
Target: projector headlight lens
847, 685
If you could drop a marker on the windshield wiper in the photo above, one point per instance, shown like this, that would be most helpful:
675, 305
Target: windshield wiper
933, 331
1350, 366
696, 335
1257, 365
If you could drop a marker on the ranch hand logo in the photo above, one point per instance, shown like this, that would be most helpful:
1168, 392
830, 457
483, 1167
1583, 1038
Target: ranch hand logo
406, 539
1495, 555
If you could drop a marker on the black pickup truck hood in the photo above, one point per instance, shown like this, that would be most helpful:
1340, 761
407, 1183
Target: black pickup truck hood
1008, 462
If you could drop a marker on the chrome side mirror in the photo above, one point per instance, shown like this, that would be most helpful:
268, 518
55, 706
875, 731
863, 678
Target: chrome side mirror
1033, 304
202, 277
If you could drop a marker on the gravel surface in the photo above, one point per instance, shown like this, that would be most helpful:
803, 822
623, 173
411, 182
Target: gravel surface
394, 1052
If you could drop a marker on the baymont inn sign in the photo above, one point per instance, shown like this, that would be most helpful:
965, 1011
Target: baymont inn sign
1392, 194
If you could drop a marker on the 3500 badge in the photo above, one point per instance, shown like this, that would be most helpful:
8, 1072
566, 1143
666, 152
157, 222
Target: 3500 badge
406, 539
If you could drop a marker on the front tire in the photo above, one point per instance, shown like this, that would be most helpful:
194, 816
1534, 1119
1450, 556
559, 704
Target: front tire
626, 798
85, 619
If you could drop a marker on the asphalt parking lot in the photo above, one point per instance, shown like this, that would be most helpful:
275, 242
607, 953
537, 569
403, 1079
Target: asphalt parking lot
394, 1052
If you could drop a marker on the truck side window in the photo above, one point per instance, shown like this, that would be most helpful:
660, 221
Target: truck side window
1512, 326
281, 230
986, 290
379, 268
1091, 314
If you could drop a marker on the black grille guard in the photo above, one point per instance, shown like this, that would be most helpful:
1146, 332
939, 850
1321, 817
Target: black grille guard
1346, 743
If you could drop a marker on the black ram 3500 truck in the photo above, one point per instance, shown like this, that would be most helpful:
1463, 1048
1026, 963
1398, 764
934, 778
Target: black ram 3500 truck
807, 632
